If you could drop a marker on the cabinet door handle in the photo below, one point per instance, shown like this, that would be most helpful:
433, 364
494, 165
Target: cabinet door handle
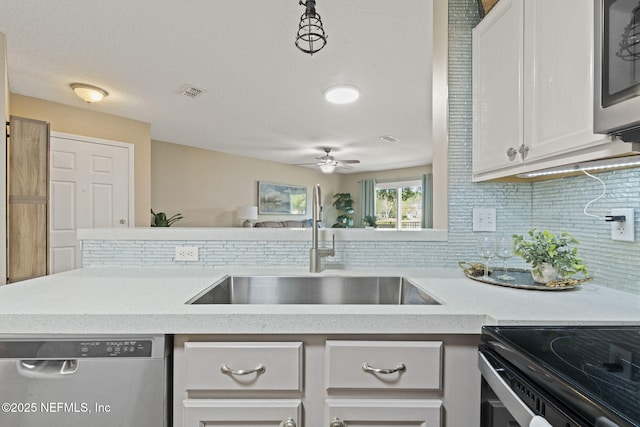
523, 150
288, 423
511, 153
337, 422
257, 370
399, 368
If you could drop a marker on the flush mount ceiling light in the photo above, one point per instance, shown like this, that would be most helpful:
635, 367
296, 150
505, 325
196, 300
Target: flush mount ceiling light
342, 94
88, 93
311, 36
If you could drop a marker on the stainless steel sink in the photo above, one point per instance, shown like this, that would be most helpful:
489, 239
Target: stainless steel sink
313, 290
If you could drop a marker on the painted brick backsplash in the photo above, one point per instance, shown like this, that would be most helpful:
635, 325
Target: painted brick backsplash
556, 205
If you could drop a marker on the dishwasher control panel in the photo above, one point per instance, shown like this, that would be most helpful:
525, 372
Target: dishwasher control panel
75, 349
115, 348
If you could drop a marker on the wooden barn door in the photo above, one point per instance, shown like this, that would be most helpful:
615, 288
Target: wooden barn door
28, 194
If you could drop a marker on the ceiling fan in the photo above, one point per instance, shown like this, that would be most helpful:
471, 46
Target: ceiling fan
328, 163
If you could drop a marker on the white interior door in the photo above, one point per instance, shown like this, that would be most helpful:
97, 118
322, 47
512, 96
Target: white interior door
90, 187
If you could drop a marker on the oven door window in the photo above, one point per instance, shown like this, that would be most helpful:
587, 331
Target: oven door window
620, 51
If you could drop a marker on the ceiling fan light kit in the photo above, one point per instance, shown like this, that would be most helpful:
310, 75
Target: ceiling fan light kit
342, 94
327, 167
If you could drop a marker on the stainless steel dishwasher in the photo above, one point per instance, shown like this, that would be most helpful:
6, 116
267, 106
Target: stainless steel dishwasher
99, 381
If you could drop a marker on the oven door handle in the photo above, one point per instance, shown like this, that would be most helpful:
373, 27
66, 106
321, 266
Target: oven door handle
518, 409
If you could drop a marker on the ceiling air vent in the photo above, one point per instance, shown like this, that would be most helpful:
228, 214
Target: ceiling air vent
389, 138
190, 91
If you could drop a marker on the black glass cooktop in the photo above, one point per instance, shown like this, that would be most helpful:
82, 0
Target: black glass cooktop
595, 370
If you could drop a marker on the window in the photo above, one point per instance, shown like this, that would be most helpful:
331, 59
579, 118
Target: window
399, 204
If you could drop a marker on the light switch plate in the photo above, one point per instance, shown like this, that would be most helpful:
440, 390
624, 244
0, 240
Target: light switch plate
484, 219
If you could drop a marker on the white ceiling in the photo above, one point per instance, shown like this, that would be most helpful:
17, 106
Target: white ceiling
263, 96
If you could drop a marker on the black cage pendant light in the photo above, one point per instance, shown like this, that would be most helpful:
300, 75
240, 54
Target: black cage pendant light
630, 44
311, 36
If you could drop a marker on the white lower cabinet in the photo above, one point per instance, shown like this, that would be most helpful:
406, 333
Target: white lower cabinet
325, 381
383, 365
391, 412
242, 412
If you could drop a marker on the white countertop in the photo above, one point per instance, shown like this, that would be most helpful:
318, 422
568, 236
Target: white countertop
141, 301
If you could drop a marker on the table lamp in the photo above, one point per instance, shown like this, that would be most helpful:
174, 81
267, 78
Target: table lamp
247, 213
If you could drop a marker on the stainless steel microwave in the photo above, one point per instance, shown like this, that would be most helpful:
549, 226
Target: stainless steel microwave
617, 69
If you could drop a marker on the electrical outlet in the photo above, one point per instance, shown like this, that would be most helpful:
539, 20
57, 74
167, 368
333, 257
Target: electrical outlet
484, 219
623, 230
186, 253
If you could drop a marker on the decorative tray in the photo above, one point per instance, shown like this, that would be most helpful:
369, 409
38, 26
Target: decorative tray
523, 279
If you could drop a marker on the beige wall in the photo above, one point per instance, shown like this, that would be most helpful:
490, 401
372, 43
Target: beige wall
207, 186
80, 121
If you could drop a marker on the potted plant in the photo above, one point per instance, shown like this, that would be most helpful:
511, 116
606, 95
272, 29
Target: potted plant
160, 219
550, 256
344, 205
369, 221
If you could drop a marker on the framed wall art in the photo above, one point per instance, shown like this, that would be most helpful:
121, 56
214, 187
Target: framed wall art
281, 199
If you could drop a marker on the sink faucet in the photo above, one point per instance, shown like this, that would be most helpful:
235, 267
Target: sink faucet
316, 254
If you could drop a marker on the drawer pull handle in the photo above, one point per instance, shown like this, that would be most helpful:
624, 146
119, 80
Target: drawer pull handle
399, 368
257, 370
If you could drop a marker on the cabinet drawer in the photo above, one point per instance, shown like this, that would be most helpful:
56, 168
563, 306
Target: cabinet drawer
411, 365
243, 365
245, 412
385, 412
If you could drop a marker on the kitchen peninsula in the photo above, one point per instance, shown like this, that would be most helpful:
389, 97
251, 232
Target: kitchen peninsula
132, 285
103, 301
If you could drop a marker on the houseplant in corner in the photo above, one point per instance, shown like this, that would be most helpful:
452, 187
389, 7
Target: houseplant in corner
344, 205
160, 219
550, 256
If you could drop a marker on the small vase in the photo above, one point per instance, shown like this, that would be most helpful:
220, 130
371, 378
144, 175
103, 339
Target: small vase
546, 275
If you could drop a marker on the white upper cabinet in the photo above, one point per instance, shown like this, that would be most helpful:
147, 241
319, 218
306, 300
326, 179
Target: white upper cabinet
533, 88
497, 88
558, 76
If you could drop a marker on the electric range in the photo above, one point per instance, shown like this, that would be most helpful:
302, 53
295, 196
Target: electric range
591, 374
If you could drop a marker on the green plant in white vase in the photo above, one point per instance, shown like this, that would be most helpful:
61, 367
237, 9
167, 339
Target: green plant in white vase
550, 256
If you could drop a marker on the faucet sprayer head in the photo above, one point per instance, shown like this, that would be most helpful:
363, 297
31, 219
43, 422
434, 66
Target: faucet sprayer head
317, 202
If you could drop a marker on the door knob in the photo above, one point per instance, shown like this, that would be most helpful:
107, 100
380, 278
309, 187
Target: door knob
123, 221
